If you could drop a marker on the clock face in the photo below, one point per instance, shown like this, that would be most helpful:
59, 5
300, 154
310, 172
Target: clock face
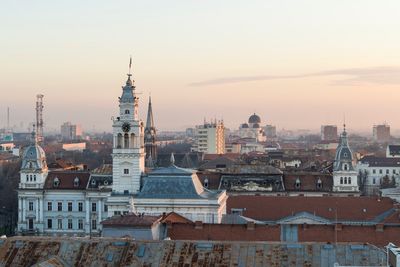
126, 127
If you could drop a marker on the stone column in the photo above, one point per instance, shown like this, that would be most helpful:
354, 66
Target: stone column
37, 210
87, 210
23, 209
19, 209
41, 209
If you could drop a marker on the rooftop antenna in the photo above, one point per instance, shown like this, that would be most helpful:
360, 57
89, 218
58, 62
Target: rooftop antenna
130, 65
344, 122
39, 118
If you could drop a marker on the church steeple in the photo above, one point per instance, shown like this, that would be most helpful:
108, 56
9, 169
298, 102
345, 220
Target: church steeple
150, 135
150, 121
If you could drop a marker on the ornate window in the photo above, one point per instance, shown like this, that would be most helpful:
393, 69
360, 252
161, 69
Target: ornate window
76, 182
206, 183
127, 111
319, 183
56, 182
297, 183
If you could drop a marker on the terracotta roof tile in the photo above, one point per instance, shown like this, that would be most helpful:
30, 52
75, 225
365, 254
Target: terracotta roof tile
66, 179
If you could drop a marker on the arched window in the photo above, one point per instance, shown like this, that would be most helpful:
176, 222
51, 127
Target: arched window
34, 177
56, 182
76, 182
127, 111
30, 177
297, 184
345, 180
345, 167
133, 141
119, 140
126, 140
27, 178
206, 183
319, 183
349, 180
341, 180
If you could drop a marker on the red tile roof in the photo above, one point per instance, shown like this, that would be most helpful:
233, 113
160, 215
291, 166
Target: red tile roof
66, 179
308, 181
231, 156
272, 208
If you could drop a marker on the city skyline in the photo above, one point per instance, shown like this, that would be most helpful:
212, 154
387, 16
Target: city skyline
275, 61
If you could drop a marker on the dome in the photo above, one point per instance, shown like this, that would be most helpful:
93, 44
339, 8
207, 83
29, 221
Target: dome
245, 125
256, 125
254, 119
34, 158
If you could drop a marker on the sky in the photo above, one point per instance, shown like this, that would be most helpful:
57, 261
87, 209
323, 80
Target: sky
298, 64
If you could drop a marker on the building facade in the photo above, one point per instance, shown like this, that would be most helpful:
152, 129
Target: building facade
71, 131
381, 133
210, 138
252, 129
329, 133
345, 177
128, 153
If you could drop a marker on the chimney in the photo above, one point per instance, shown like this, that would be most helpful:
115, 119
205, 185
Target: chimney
379, 227
338, 227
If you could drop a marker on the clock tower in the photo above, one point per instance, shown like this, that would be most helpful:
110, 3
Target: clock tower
128, 151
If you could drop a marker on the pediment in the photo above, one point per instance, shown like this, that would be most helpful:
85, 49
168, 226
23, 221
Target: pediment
304, 218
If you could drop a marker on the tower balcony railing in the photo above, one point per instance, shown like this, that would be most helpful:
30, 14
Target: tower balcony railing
121, 150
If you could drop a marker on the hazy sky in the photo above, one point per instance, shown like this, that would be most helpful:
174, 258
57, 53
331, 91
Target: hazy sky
298, 64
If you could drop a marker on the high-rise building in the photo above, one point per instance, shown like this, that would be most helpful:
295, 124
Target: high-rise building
71, 131
329, 133
210, 138
381, 133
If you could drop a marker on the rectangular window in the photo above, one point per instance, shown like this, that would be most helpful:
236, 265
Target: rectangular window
349, 180
59, 206
341, 180
380, 171
30, 206
394, 171
373, 171
94, 207
80, 206
94, 224
49, 206
69, 206
49, 223
117, 212
59, 224
69, 223
126, 171
105, 208
80, 224
387, 171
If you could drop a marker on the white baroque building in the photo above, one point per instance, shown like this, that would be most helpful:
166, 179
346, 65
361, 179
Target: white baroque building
58, 202
345, 177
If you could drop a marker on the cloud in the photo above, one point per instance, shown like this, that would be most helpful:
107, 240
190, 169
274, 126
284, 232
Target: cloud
357, 76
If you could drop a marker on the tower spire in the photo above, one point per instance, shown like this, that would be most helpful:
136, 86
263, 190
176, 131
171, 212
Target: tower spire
149, 121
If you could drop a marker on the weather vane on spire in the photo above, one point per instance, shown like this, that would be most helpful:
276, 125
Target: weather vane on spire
130, 66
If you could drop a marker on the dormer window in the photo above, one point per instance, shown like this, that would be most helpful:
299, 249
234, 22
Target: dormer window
345, 154
105, 182
56, 182
206, 183
345, 167
297, 184
76, 182
319, 183
93, 182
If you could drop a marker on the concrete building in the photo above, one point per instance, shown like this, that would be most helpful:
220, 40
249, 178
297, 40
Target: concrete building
71, 131
210, 138
381, 133
329, 133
